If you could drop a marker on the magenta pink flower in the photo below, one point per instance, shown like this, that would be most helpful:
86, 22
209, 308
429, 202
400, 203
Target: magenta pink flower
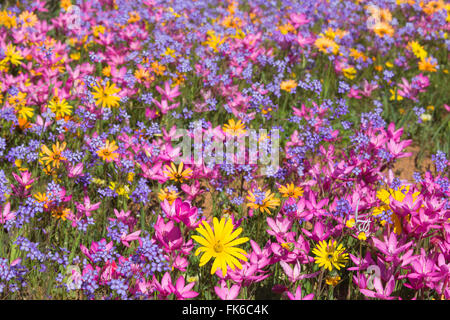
168, 234
184, 292
381, 293
298, 295
87, 207
226, 293
167, 92
126, 238
6, 213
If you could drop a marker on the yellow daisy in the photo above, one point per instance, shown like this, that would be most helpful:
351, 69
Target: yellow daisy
220, 244
330, 255
234, 128
107, 152
53, 156
290, 191
106, 96
262, 201
179, 174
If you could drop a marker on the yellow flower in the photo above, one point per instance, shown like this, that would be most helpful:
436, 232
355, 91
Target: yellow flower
286, 28
169, 52
362, 236
220, 244
106, 96
98, 181
290, 191
60, 107
53, 156
417, 50
107, 152
29, 19
213, 41
349, 72
13, 55
330, 255
333, 281
157, 68
234, 128
66, 4
262, 201
395, 95
427, 64
179, 175
75, 56
399, 195
288, 85
326, 45
350, 223
433, 6
18, 99
106, 71
25, 112
8, 19
382, 29
61, 213
171, 196
357, 54
18, 163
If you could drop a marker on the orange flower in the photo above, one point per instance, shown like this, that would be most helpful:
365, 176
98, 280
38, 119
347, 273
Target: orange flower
107, 152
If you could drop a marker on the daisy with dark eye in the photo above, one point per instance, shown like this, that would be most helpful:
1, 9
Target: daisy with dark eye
330, 255
53, 156
107, 152
177, 174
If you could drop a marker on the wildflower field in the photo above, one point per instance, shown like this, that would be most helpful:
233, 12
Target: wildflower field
211, 149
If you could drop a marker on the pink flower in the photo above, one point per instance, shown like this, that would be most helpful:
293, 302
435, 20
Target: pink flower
165, 288
168, 234
192, 191
164, 106
184, 292
75, 171
181, 211
298, 295
390, 248
125, 238
168, 92
381, 293
87, 207
354, 93
226, 293
6, 213
294, 274
279, 227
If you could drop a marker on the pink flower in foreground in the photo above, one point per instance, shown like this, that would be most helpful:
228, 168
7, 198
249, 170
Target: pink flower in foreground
298, 295
381, 293
225, 293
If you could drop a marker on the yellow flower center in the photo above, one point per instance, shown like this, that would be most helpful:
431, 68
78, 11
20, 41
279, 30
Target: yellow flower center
218, 247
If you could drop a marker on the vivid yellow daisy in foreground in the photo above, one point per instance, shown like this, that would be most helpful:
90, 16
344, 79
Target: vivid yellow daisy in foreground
220, 244
330, 255
179, 174
106, 96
